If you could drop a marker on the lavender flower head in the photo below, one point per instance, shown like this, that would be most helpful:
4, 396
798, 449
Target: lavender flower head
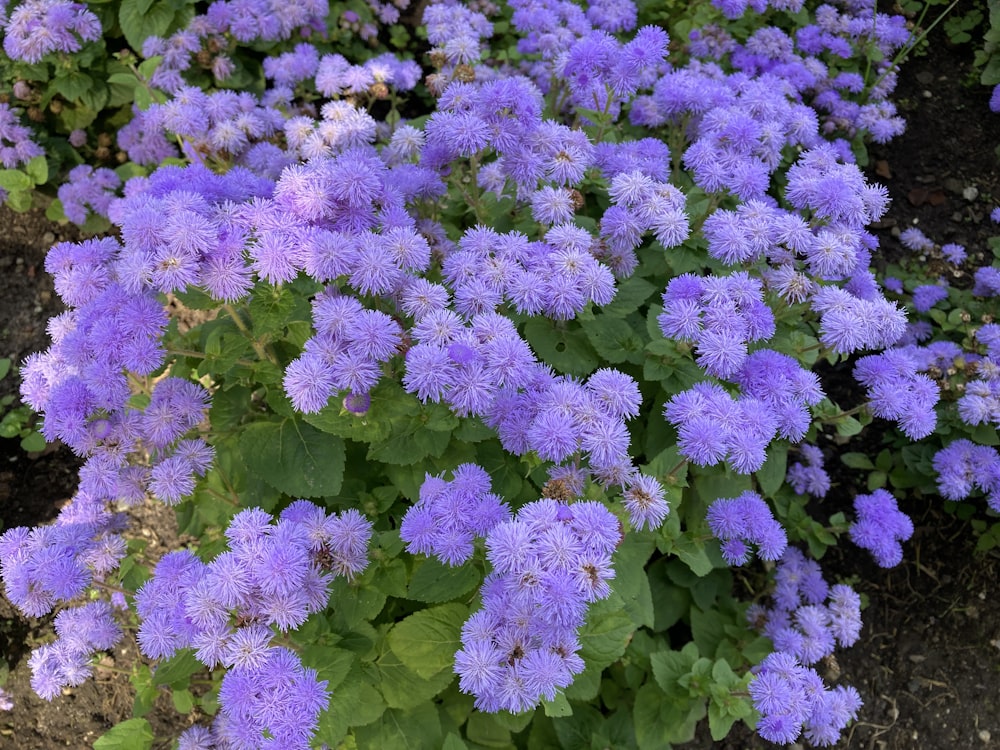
37, 27
549, 562
746, 519
880, 527
808, 475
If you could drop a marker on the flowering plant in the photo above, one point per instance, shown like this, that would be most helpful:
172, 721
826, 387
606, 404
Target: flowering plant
497, 388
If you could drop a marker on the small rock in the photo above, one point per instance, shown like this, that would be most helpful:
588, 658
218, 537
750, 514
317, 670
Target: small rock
926, 94
970, 193
48, 238
917, 658
984, 735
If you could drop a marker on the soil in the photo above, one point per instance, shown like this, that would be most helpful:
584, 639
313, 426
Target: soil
928, 662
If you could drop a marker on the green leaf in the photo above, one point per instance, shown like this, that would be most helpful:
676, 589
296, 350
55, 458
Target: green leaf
576, 732
606, 633
848, 426
5, 364
426, 641
613, 338
177, 670
73, 85
857, 461
565, 348
631, 295
417, 729
131, 734
483, 730
140, 19
183, 700
670, 666
771, 476
148, 67
631, 582
719, 721
33, 442
13, 180
559, 707
294, 457
403, 688
38, 170
433, 581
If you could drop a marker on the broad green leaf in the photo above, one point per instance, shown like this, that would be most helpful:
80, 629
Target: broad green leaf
670, 666
606, 632
356, 703
719, 721
131, 734
857, 461
427, 640
331, 664
402, 687
483, 730
613, 338
652, 719
416, 729
73, 85
433, 581
33, 442
562, 345
13, 180
771, 476
577, 732
178, 669
559, 707
294, 457
38, 170
631, 295
140, 19
631, 582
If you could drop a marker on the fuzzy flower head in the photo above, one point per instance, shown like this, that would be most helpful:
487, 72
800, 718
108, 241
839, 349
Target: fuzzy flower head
742, 520
880, 527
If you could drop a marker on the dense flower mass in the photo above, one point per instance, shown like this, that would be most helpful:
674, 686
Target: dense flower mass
548, 563
544, 259
880, 527
275, 573
36, 28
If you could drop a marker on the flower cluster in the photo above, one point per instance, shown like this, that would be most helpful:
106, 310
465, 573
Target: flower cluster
896, 390
548, 563
449, 515
245, 20
88, 188
744, 520
65, 662
712, 426
721, 314
16, 145
37, 27
880, 527
962, 467
807, 621
792, 698
274, 574
808, 475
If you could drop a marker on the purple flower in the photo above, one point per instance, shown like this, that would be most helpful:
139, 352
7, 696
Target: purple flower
880, 527
37, 27
746, 518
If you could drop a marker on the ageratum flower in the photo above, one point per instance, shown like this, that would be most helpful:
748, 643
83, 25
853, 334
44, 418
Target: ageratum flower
37, 27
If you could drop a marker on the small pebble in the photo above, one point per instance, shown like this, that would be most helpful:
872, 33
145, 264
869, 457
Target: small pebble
48, 238
970, 193
984, 735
